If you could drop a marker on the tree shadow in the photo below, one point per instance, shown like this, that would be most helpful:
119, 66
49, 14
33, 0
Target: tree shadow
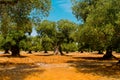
95, 58
89, 58
12, 71
96, 66
44, 54
10, 56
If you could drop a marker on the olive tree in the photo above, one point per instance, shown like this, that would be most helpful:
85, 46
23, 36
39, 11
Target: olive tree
46, 32
101, 14
16, 17
66, 30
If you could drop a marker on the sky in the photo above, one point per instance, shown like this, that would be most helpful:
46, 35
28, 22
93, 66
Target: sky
61, 9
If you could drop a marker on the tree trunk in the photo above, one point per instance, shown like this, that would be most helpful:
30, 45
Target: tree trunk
56, 50
108, 54
60, 50
36, 51
15, 50
30, 52
6, 51
81, 51
67, 52
100, 52
45, 51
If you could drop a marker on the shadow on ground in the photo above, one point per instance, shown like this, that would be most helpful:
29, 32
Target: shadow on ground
10, 56
11, 71
44, 54
96, 66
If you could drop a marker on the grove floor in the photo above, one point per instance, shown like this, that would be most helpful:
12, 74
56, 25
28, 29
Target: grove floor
73, 66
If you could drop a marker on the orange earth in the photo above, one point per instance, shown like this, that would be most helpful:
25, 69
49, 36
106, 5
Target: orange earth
73, 66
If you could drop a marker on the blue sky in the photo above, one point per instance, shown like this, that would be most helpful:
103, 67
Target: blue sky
61, 9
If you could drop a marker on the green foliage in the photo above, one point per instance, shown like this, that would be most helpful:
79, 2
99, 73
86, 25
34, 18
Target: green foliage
46, 28
47, 32
66, 29
72, 47
55, 34
31, 43
16, 19
118, 50
101, 22
36, 44
2, 41
46, 43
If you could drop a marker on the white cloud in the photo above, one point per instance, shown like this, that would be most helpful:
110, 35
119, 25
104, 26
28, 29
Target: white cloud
65, 5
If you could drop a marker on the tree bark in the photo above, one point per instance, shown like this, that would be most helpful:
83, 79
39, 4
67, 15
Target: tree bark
30, 52
81, 51
100, 52
45, 51
15, 50
6, 51
60, 50
36, 51
56, 50
108, 54
67, 52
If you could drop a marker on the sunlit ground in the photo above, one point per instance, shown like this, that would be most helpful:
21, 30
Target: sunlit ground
73, 66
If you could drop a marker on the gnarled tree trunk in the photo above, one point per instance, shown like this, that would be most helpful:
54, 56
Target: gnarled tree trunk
15, 50
108, 54
58, 49
6, 51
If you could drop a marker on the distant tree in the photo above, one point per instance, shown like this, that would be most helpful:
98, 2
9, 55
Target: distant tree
32, 43
66, 29
91, 38
71, 47
36, 44
46, 31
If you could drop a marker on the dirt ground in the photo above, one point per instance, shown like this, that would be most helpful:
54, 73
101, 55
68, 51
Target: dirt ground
73, 66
